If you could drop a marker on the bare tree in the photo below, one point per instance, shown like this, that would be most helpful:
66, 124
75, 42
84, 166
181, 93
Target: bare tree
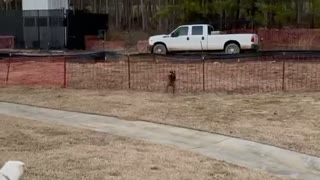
143, 15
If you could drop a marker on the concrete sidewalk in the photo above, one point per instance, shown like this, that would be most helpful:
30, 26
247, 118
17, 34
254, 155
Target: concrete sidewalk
244, 153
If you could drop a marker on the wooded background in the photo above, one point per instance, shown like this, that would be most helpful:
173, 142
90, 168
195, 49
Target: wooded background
163, 15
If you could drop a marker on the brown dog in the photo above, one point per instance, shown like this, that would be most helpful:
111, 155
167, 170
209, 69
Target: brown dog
172, 81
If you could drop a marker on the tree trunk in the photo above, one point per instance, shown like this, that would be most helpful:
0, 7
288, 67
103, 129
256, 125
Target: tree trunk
174, 19
235, 24
130, 15
299, 9
312, 23
143, 15
107, 6
126, 6
81, 5
95, 6
116, 11
100, 6
221, 17
159, 19
1, 5
167, 19
7, 5
253, 9
238, 10
16, 4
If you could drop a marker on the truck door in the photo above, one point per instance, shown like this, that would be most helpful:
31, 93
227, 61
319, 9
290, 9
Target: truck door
198, 38
178, 39
215, 41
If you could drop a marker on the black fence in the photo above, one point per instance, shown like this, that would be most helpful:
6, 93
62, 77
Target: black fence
11, 24
81, 23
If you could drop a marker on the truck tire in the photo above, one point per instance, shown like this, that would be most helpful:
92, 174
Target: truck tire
159, 49
232, 48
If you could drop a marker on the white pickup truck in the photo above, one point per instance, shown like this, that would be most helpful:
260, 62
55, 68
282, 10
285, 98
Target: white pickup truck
202, 37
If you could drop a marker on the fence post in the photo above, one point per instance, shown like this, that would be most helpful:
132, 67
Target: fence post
203, 74
8, 70
283, 73
129, 72
154, 57
64, 73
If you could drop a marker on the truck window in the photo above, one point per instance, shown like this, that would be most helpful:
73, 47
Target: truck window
210, 29
197, 30
182, 31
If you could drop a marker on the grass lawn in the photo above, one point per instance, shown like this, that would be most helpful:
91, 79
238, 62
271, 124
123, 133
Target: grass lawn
286, 120
52, 151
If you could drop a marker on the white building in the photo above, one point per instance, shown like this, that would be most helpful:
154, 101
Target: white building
44, 4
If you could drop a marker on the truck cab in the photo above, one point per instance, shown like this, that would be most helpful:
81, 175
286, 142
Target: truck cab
202, 37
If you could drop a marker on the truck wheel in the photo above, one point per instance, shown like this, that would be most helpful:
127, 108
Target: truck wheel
232, 49
160, 49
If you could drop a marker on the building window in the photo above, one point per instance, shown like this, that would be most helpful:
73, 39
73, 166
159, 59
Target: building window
42, 22
29, 22
56, 21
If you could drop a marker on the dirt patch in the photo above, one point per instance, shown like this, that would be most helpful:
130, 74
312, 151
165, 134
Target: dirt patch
81, 154
287, 120
37, 71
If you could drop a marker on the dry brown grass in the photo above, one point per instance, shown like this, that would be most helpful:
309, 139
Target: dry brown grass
284, 119
56, 152
3, 71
